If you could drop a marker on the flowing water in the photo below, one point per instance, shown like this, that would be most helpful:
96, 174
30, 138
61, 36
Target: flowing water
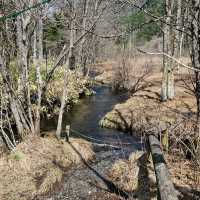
84, 182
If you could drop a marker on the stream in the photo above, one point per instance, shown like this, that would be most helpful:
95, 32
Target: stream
89, 181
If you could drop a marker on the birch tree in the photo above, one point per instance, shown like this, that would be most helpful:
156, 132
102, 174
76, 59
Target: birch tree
38, 64
24, 30
168, 68
19, 95
83, 57
70, 65
178, 34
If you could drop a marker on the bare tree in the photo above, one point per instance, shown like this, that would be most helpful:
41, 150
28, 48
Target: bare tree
194, 45
38, 63
168, 68
83, 57
19, 95
70, 65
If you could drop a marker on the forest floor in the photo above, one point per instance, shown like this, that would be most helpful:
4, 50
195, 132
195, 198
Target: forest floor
143, 112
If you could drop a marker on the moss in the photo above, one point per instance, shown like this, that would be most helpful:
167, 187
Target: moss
17, 155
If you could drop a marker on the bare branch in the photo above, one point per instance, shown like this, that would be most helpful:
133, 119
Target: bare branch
171, 57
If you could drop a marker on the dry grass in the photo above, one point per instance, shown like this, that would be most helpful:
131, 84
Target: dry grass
107, 69
183, 172
37, 166
144, 106
143, 111
125, 172
134, 176
106, 72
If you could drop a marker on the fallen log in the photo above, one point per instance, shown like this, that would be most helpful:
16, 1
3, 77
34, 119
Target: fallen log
166, 188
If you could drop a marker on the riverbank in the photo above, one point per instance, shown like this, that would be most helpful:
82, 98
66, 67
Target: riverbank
143, 112
37, 166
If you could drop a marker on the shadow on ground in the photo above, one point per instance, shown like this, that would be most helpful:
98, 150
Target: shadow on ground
110, 186
146, 188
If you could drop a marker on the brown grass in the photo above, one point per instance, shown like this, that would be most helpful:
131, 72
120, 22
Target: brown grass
143, 111
36, 167
134, 176
106, 72
183, 172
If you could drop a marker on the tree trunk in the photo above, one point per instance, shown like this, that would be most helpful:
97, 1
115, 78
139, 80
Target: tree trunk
168, 90
39, 45
71, 56
178, 34
62, 108
83, 58
35, 47
22, 126
171, 90
194, 44
70, 65
23, 23
165, 81
22, 58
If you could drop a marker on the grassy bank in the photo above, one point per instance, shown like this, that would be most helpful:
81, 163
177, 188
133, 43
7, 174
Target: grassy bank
144, 111
37, 166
